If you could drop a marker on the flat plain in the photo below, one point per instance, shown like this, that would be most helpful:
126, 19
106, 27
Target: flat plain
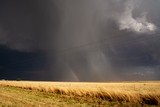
80, 94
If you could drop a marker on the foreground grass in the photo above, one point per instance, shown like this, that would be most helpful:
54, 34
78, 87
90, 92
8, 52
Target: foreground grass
18, 97
81, 94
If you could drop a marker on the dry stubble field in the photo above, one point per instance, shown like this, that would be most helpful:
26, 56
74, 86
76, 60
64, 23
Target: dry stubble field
89, 94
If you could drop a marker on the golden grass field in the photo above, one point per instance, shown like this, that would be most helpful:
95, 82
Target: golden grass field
144, 93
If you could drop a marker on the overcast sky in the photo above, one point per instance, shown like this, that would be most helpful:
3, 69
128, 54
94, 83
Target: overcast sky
80, 40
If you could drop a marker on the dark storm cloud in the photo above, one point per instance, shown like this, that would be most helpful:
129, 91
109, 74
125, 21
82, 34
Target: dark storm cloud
15, 64
26, 28
25, 24
85, 40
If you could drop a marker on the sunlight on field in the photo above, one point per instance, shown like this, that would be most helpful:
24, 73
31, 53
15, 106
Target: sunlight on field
134, 92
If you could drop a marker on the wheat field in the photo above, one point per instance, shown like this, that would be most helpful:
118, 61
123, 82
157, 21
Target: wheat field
133, 92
